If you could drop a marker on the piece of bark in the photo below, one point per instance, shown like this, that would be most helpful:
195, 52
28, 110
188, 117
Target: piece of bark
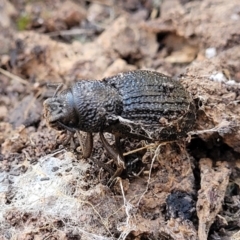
214, 181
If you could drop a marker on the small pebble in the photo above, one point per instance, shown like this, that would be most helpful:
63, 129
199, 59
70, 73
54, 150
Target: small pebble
210, 52
44, 179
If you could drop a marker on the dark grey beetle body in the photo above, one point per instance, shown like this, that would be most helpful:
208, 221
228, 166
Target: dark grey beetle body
140, 104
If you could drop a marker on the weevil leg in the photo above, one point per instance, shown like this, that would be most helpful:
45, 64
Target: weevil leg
115, 154
73, 130
114, 177
105, 167
87, 144
118, 147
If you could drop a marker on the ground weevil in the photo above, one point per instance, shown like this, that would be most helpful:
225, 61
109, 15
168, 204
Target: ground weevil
140, 104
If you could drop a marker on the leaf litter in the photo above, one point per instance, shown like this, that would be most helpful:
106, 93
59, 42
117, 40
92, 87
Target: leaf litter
185, 190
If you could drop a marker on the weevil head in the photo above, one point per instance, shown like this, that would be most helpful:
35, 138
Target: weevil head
59, 111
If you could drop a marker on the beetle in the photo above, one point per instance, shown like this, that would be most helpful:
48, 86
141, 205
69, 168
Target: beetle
140, 104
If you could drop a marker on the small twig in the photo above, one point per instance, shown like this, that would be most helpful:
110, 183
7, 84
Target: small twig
70, 32
152, 145
139, 149
12, 76
104, 166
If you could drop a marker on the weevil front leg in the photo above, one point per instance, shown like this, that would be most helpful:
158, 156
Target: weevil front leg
86, 145
115, 154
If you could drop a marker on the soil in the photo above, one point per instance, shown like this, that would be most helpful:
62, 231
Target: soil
189, 189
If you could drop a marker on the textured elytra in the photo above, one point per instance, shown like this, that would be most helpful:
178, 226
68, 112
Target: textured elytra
140, 104
147, 96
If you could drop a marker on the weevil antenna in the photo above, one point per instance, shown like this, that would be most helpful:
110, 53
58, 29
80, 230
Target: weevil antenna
58, 85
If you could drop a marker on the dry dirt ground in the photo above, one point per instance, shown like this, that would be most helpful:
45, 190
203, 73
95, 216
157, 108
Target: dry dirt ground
187, 189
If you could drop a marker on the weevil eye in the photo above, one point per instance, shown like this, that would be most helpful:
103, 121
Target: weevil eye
55, 107
51, 104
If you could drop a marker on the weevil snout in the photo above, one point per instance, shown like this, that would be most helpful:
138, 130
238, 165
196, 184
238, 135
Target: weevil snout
52, 107
59, 112
53, 112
